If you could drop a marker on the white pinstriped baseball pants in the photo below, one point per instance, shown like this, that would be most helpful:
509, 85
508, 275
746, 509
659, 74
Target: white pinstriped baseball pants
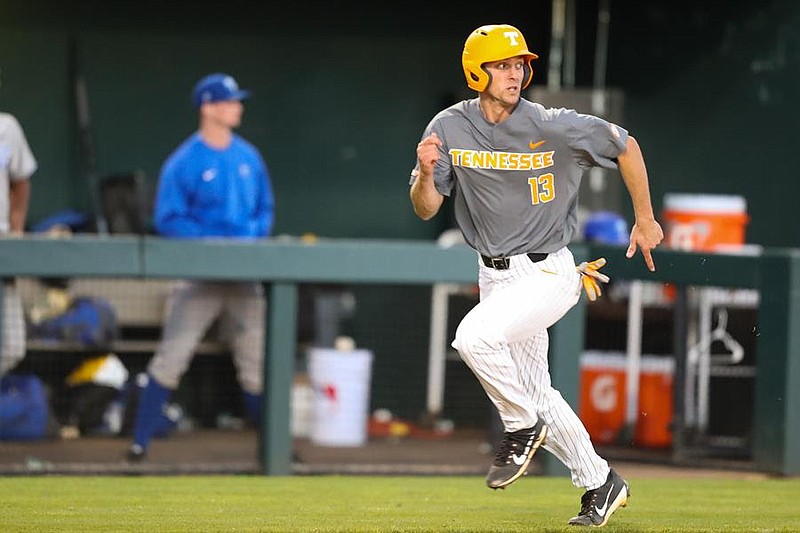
504, 341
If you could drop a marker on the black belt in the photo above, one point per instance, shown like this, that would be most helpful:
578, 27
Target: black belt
502, 263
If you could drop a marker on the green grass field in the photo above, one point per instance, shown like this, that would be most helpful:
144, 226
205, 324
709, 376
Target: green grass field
392, 504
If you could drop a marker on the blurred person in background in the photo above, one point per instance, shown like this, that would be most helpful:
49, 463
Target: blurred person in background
17, 165
214, 185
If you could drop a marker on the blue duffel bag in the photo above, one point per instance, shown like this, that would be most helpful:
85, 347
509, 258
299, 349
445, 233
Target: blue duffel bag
24, 410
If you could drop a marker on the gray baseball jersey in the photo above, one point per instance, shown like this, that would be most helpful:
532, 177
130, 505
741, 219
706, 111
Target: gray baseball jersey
516, 183
16, 162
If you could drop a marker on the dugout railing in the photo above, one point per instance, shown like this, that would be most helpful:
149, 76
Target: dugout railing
283, 264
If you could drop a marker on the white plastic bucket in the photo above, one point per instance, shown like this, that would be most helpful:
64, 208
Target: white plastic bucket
341, 381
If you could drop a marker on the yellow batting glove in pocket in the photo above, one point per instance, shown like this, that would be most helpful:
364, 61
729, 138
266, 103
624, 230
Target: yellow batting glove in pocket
591, 277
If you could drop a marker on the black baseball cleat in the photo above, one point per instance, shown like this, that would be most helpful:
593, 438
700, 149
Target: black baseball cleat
516, 451
136, 453
599, 504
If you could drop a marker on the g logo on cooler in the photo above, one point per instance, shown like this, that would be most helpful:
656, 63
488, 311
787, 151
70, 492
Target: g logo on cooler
603, 393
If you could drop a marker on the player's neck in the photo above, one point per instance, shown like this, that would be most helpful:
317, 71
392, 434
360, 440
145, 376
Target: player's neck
496, 110
215, 135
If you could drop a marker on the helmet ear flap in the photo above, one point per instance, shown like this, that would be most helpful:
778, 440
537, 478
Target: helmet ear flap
478, 79
527, 72
475, 78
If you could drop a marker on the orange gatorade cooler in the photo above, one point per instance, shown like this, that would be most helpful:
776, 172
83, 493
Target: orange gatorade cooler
602, 402
705, 222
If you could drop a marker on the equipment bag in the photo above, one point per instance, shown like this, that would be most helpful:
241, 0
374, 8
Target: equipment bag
24, 411
89, 321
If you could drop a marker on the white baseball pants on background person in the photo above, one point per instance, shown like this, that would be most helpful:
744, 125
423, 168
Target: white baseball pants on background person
13, 343
504, 341
192, 308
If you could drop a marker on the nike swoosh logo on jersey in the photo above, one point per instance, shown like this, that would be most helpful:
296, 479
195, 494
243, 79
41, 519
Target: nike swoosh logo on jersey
535, 145
602, 510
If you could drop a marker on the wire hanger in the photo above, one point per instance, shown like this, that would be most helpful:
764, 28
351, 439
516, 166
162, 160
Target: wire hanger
720, 333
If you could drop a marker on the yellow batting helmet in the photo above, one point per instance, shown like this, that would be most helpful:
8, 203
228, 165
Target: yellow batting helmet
493, 43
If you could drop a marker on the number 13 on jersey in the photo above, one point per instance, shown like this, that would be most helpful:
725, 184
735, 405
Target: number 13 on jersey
542, 188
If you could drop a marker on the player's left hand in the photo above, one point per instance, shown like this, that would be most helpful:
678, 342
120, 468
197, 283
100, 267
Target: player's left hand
591, 275
645, 235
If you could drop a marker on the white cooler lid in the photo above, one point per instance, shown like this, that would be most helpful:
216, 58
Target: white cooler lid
706, 203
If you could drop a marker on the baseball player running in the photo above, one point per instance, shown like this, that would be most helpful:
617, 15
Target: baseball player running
512, 168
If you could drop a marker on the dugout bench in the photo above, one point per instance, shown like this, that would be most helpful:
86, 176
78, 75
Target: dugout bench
284, 263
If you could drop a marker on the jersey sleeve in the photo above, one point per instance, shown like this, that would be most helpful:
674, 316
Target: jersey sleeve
265, 210
171, 215
21, 164
442, 172
597, 141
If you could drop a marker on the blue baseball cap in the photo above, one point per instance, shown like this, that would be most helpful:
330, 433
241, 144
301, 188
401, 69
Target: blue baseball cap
217, 87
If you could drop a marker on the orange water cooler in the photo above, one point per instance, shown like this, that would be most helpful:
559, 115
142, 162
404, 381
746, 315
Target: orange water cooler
602, 402
705, 222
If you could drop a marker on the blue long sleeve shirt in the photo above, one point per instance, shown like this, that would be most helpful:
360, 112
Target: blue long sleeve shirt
206, 192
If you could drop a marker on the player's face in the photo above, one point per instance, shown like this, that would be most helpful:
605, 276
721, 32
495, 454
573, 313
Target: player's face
507, 78
227, 114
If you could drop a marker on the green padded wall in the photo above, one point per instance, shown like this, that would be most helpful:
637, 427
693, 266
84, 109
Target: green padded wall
342, 95
34, 88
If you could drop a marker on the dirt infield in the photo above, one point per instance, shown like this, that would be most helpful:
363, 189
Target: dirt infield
236, 451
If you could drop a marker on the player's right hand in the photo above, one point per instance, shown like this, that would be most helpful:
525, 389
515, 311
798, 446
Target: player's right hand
428, 153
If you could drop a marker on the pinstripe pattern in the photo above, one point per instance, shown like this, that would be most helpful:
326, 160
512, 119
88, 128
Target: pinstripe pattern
504, 341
